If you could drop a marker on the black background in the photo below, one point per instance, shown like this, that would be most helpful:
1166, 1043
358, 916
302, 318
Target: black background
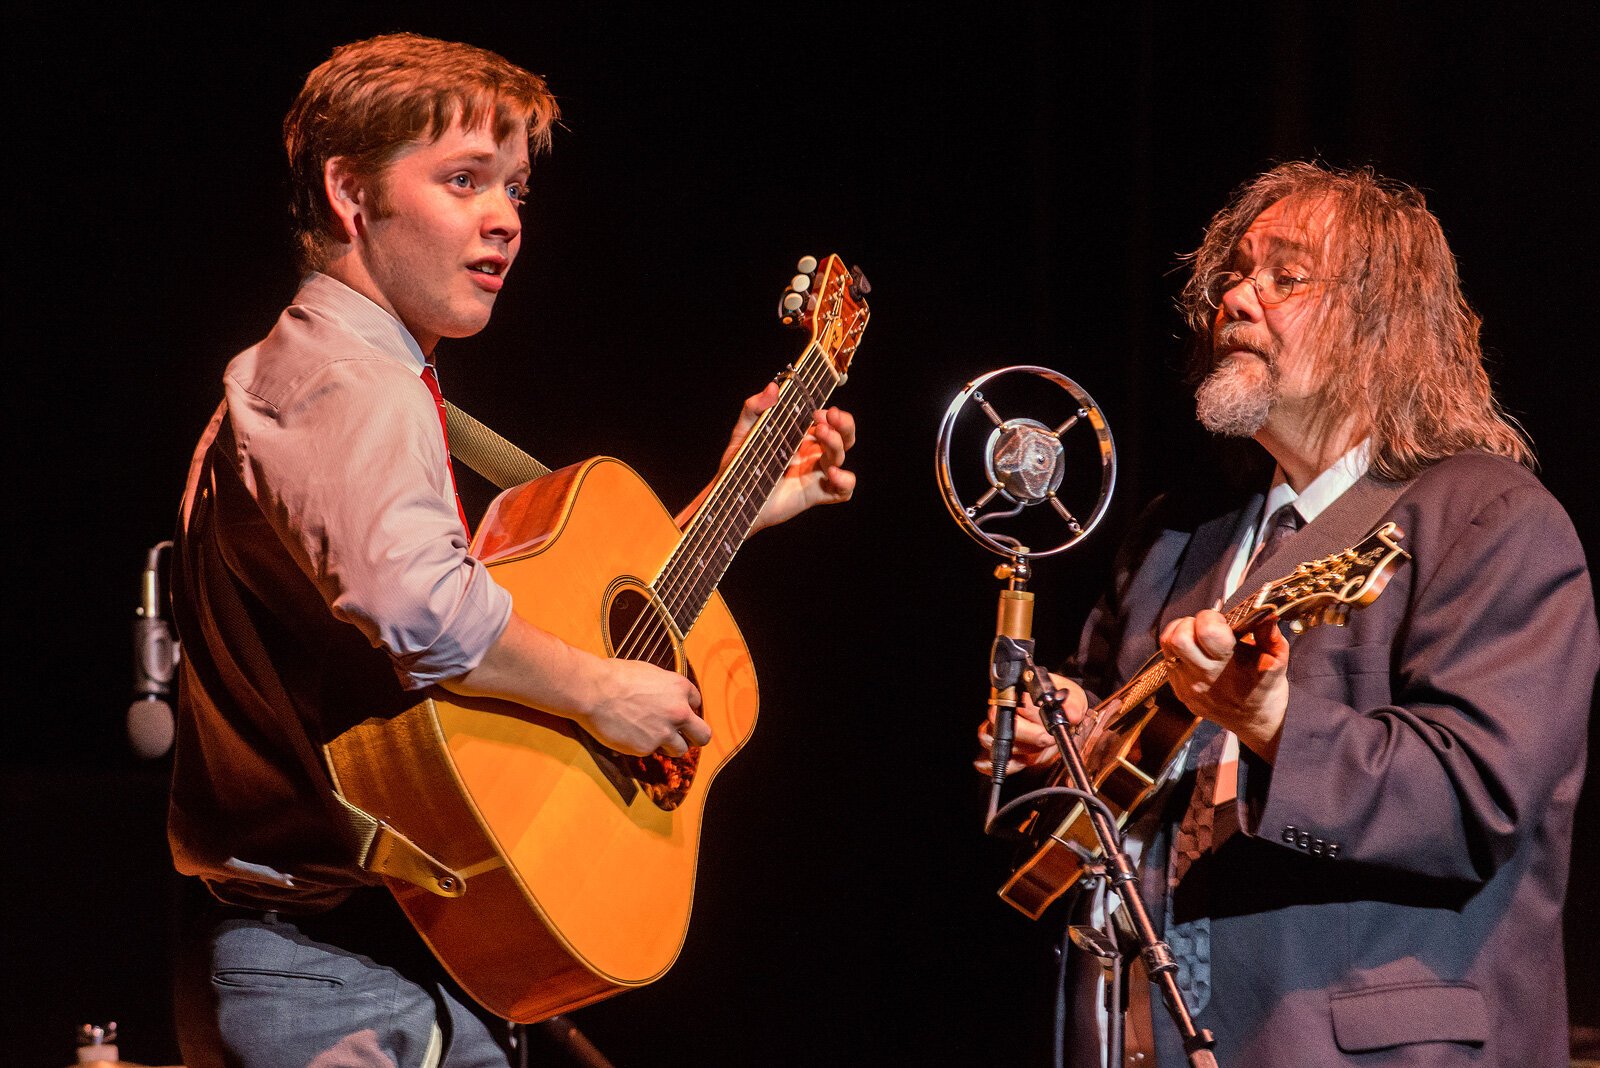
1017, 181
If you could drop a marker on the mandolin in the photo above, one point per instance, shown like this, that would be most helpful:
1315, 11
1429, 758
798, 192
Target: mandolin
1132, 740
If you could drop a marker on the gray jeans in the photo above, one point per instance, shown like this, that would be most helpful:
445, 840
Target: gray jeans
355, 988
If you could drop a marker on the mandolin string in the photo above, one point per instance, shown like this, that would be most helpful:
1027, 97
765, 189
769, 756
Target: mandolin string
717, 524
1149, 681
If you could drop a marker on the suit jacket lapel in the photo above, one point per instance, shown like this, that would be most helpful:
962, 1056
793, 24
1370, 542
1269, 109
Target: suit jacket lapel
1203, 572
1342, 524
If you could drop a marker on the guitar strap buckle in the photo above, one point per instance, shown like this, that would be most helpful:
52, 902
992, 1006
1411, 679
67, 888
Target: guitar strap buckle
385, 851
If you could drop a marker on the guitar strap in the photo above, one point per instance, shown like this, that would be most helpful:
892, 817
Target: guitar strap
487, 453
378, 846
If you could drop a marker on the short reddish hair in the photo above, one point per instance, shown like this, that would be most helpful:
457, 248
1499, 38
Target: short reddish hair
372, 98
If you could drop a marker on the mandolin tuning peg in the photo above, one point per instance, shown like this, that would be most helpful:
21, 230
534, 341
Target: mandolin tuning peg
800, 283
807, 265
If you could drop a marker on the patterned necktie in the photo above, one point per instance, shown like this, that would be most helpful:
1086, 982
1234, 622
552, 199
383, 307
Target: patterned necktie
1191, 940
1284, 521
431, 380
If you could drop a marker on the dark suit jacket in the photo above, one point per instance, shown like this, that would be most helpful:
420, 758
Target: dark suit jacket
1393, 892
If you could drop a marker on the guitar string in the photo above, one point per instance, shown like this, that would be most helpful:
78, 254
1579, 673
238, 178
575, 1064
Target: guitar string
631, 644
716, 517
736, 503
719, 519
649, 638
811, 380
732, 502
713, 521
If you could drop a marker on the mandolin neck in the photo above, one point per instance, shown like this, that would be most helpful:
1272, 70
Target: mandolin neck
1242, 617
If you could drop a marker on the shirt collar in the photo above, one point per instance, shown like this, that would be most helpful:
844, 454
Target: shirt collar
1323, 490
362, 317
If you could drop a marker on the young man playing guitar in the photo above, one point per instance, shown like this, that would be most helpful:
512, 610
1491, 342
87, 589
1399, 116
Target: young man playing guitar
322, 570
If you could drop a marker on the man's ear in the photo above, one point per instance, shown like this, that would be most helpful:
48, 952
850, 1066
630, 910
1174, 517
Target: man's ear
349, 197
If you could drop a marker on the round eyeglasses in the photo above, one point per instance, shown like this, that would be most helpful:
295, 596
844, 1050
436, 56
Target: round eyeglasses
1273, 285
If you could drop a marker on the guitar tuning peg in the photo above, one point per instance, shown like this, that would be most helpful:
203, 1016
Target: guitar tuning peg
800, 283
859, 286
807, 265
790, 307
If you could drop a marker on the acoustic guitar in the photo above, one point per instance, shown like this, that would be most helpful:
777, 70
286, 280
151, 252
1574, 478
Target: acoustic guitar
568, 869
1132, 740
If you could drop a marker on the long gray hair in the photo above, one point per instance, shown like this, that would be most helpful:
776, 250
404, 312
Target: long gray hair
1394, 343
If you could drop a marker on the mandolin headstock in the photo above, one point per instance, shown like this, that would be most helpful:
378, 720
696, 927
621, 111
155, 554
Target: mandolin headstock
828, 300
1324, 591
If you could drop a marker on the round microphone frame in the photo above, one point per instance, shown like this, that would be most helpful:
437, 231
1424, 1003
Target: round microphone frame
1028, 436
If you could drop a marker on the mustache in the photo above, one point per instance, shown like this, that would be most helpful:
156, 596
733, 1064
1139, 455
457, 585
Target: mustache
1236, 336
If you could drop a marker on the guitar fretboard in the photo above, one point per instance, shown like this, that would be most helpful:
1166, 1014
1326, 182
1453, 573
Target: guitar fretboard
725, 518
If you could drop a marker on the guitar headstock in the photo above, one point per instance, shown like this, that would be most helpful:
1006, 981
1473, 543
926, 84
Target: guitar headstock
1324, 591
829, 300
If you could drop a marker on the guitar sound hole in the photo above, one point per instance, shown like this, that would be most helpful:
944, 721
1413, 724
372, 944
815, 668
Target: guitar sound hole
636, 630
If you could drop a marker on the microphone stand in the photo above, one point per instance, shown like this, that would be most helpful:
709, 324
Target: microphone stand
1119, 872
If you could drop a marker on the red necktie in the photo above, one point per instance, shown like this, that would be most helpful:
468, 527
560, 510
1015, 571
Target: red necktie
431, 380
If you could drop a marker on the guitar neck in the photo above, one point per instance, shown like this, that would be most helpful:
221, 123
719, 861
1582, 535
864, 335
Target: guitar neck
724, 520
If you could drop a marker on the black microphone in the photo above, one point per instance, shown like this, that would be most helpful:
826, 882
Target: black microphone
155, 658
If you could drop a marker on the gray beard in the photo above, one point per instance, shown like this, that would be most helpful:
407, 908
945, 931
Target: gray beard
1236, 397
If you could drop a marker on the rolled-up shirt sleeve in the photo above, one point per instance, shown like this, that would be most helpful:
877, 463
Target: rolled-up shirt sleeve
350, 468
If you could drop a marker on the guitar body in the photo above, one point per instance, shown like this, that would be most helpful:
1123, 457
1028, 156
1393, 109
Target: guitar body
579, 878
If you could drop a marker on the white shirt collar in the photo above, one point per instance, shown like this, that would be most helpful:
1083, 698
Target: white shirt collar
1323, 490
364, 317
